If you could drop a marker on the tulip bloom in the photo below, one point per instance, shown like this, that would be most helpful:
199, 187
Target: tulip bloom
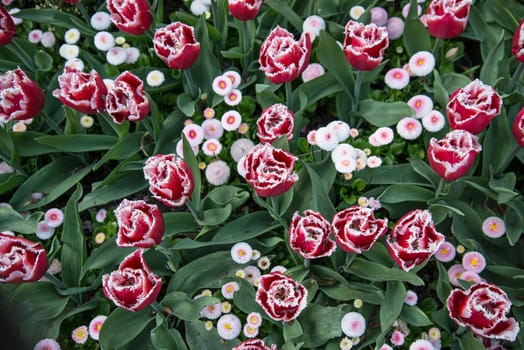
21, 260
7, 27
21, 98
447, 19
130, 16
364, 45
176, 45
244, 10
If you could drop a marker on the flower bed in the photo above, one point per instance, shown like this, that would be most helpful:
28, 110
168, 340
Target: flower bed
242, 175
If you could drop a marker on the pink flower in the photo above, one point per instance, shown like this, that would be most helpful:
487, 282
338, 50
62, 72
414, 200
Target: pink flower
21, 98
233, 98
396, 78
228, 289
217, 172
353, 324
483, 309
130, 16
281, 297
21, 260
176, 45
275, 121
312, 71
326, 138
421, 104
454, 273
434, 121
212, 147
126, 99
244, 10
364, 45
101, 215
95, 326
254, 319
283, 59
422, 63
313, 25
309, 235
397, 338
80, 334
517, 128
494, 227
47, 344
7, 27
194, 134
54, 217
241, 253
517, 42
384, 136
446, 252
409, 128
222, 85
421, 344
447, 19
411, 299
379, 16
231, 120
470, 276
395, 27
474, 261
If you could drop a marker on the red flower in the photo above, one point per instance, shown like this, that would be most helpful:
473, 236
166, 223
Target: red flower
139, 224
517, 44
71, 2
518, 128
472, 107
281, 297
309, 235
130, 16
81, 91
453, 156
254, 344
447, 19
133, 286
127, 100
170, 179
282, 58
483, 308
364, 45
244, 10
7, 27
21, 260
21, 98
270, 170
414, 239
356, 229
176, 45
275, 121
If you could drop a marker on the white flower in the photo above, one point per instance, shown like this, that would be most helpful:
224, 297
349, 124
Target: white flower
340, 128
397, 78
212, 147
356, 11
5, 168
75, 63
194, 134
104, 41
326, 139
241, 169
155, 78
421, 104
233, 98
222, 85
54, 217
252, 274
345, 165
241, 253
48, 39
180, 149
343, 150
409, 128
217, 172
211, 312
19, 127
229, 327
374, 162
132, 55
35, 36
12, 12
313, 24
353, 324
231, 120
383, 136
421, 344
69, 51
234, 76
411, 298
228, 290
254, 319
240, 148
72, 35
198, 7
116, 55
86, 121
433, 121
100, 20
44, 231
312, 71
422, 63
212, 129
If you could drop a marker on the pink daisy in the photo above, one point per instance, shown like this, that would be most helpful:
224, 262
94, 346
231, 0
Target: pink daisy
397, 338
409, 128
446, 252
222, 85
433, 121
454, 273
411, 298
421, 104
231, 120
396, 78
422, 63
353, 324
79, 334
421, 344
474, 261
54, 217
211, 147
95, 326
233, 98
493, 227
194, 134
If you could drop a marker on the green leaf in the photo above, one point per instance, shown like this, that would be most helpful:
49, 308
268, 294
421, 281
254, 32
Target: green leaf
198, 337
391, 174
55, 18
8, 150
489, 73
468, 342
220, 196
122, 326
416, 37
415, 316
453, 81
320, 324
186, 104
191, 161
78, 142
179, 222
11, 220
52, 180
106, 256
164, 338
399, 193
291, 330
440, 92
393, 301
35, 302
26, 146
376, 272
43, 61
9, 182
123, 149
486, 34
423, 169
381, 113
73, 248
497, 145
186, 308
283, 9
514, 220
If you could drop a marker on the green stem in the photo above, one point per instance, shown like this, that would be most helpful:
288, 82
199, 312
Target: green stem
356, 93
307, 264
245, 47
514, 150
52, 123
440, 187
275, 205
83, 12
289, 93
436, 48
191, 83
194, 211
515, 77
156, 306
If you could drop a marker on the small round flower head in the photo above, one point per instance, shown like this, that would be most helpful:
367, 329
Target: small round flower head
395, 27
35, 36
209, 113
409, 128
311, 137
222, 85
233, 98
132, 55
217, 172
326, 139
312, 71
48, 39
264, 263
79, 334
198, 7
240, 273
405, 10
19, 127
356, 11
493, 227
422, 63
72, 36
345, 344
212, 129
345, 165
75, 63
229, 327
421, 104
373, 162
208, 325
243, 128
202, 165
421, 344
104, 41
5, 168
362, 201
353, 324
454, 273
116, 56
54, 217
235, 78
47, 344
397, 338
343, 150
396, 78
313, 25
100, 20
100, 237
240, 148
470, 276
433, 121
379, 16
256, 254
120, 40
446, 252
411, 298
241, 168
434, 334
155, 78
384, 135
231, 120
211, 312
250, 331
225, 306
340, 128
385, 347
358, 303
68, 51
194, 134
353, 132
254, 319
44, 231
211, 147
55, 267
278, 268
241, 253
474, 261
228, 289
252, 274
101, 215
95, 326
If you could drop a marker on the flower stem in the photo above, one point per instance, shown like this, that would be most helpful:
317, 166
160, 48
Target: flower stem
356, 92
246, 49
440, 187
436, 48
307, 264
194, 211
514, 150
83, 12
193, 88
289, 92
515, 77
156, 306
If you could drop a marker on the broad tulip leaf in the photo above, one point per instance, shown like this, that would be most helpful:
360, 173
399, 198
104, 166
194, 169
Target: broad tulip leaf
11, 220
73, 248
381, 113
164, 338
186, 308
198, 337
393, 301
320, 324
79, 142
108, 255
122, 326
415, 37
376, 272
414, 316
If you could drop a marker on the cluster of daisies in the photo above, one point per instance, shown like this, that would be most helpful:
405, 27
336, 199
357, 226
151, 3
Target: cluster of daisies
347, 159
